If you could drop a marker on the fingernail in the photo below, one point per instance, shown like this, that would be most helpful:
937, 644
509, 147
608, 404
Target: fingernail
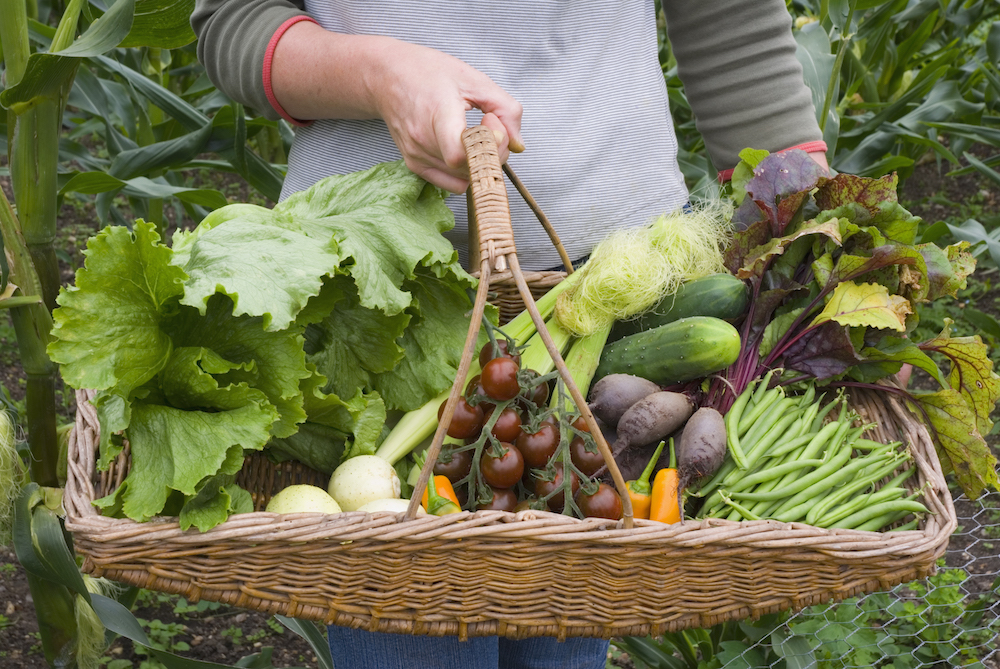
498, 137
515, 146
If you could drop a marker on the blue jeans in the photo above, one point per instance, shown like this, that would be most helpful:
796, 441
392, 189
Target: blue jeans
358, 649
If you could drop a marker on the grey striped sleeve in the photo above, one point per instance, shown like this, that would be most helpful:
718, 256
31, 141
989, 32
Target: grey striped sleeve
232, 38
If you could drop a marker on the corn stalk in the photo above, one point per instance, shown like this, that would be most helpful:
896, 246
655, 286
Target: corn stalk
29, 236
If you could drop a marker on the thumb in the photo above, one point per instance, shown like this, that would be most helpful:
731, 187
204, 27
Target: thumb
502, 113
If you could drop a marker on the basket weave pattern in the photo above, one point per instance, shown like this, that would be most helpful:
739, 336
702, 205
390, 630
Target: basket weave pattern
527, 574
532, 573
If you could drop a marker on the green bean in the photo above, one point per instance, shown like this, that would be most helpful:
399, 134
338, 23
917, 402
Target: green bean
863, 481
732, 421
798, 505
838, 461
871, 512
912, 525
727, 468
774, 473
762, 385
750, 418
821, 414
806, 399
767, 439
877, 523
859, 503
868, 444
766, 420
830, 434
790, 446
739, 508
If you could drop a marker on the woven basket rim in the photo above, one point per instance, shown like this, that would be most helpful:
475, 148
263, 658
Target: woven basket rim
542, 526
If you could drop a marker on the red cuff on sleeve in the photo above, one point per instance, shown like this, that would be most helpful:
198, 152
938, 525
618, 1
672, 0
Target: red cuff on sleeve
808, 147
268, 55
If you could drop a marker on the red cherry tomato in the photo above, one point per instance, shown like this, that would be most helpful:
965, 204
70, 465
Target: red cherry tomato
581, 424
504, 471
604, 503
504, 499
456, 465
475, 389
486, 353
543, 488
537, 395
538, 447
508, 425
466, 422
499, 379
586, 461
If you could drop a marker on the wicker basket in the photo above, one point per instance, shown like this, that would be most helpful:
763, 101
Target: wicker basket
532, 573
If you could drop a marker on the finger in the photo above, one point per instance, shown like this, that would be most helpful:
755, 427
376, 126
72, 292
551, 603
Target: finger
507, 111
448, 128
499, 134
439, 178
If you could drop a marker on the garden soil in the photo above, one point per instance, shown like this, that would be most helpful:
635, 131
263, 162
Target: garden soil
223, 634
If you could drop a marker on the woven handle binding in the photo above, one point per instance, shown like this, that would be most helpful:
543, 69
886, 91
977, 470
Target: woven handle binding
497, 252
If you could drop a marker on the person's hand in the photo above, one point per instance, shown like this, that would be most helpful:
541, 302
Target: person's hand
423, 94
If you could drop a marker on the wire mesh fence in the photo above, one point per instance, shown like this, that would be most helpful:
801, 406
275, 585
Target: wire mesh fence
949, 620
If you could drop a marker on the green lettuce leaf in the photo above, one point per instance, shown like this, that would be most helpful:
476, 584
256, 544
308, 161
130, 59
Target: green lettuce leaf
217, 499
272, 362
273, 274
107, 331
164, 459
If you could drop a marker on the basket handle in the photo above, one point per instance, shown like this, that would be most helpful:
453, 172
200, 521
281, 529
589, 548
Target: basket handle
497, 251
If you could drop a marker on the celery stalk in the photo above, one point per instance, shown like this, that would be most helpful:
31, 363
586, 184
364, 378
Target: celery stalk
581, 361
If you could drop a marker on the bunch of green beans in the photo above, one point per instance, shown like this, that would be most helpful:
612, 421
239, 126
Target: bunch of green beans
789, 463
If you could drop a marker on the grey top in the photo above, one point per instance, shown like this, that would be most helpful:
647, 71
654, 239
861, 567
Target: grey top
601, 150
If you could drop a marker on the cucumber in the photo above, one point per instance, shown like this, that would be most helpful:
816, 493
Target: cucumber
685, 349
717, 295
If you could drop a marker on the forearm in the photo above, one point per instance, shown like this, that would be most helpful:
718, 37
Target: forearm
737, 62
317, 74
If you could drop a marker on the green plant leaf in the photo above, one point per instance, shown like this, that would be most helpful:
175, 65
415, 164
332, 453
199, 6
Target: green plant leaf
278, 357
130, 277
993, 43
971, 373
866, 304
141, 187
308, 631
164, 24
947, 269
46, 73
758, 258
163, 460
273, 275
906, 351
961, 447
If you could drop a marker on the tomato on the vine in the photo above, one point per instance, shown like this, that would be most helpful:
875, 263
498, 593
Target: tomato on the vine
475, 389
544, 488
504, 499
504, 471
456, 465
486, 352
508, 425
537, 395
604, 503
586, 461
499, 379
539, 446
466, 421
